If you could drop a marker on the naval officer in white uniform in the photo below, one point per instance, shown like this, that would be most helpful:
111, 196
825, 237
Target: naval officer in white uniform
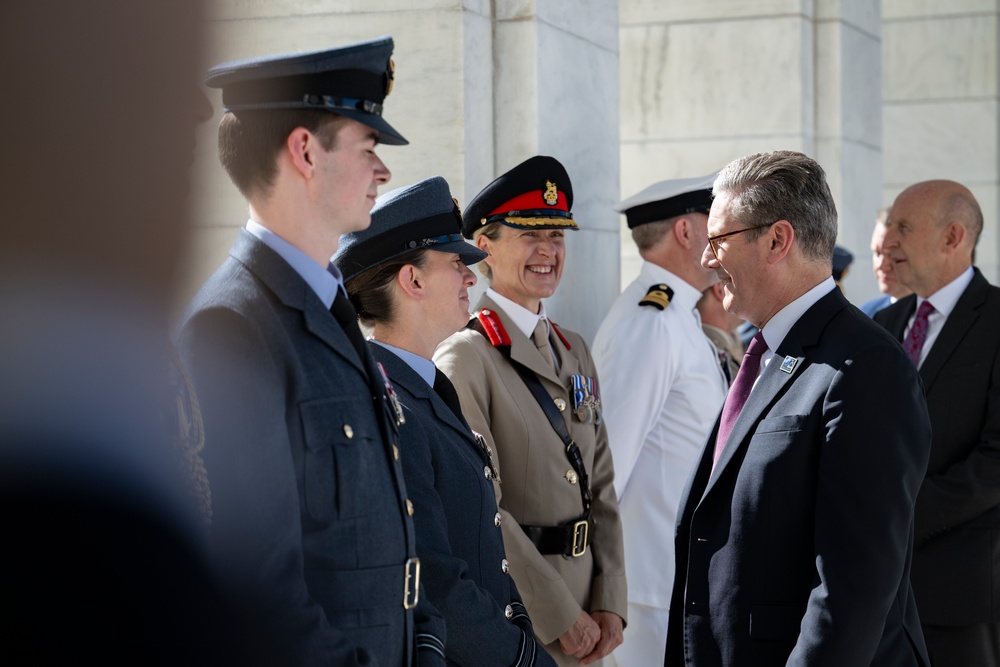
663, 387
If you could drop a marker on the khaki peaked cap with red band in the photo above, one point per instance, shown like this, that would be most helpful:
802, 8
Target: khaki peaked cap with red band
536, 194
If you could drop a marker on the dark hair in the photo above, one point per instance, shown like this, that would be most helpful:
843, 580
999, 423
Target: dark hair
249, 143
371, 290
783, 185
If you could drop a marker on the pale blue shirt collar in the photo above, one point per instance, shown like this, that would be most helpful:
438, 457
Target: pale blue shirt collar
324, 281
425, 368
523, 319
778, 326
944, 299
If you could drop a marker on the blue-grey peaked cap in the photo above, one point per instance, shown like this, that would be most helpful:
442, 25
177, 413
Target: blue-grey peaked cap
422, 215
351, 80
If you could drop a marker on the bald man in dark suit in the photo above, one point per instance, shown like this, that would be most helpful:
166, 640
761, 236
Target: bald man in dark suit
951, 328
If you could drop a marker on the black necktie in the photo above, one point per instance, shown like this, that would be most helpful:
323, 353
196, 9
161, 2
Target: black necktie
345, 314
446, 390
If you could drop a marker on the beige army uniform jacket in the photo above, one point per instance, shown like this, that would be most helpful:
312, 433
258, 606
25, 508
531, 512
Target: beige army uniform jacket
533, 468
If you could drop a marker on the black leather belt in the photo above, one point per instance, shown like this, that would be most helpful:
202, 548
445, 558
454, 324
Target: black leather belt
570, 539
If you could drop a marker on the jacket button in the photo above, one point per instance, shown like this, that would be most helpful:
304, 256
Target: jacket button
561, 404
409, 507
348, 431
504, 566
395, 453
496, 519
571, 476
487, 472
508, 612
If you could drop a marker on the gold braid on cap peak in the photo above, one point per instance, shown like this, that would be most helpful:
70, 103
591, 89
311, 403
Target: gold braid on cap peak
536, 222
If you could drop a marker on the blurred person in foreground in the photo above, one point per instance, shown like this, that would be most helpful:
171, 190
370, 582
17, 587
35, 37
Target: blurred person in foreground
662, 386
310, 508
531, 389
950, 328
102, 497
884, 270
408, 278
794, 534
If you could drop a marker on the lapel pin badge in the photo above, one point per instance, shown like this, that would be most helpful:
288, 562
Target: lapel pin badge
788, 365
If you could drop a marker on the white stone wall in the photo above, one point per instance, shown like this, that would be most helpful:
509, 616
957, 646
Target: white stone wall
940, 90
480, 86
706, 82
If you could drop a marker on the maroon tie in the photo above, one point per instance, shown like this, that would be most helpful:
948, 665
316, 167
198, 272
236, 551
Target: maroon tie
739, 392
915, 337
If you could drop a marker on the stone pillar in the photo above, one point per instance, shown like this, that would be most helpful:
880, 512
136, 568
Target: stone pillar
480, 86
706, 82
940, 106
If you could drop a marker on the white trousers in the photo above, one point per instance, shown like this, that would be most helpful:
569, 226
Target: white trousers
644, 640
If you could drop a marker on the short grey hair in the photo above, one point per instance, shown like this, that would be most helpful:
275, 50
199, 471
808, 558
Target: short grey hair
782, 185
648, 235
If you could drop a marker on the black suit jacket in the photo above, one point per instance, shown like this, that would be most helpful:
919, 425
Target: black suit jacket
957, 547
796, 548
458, 530
310, 504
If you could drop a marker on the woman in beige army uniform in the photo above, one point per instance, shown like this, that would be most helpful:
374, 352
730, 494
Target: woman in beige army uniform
530, 388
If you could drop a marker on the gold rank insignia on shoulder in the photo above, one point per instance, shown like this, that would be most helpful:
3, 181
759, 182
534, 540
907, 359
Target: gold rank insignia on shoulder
551, 195
658, 297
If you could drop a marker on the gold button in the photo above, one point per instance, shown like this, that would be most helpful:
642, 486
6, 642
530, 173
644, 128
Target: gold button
571, 476
504, 566
487, 472
561, 404
486, 312
348, 431
496, 520
409, 507
395, 452
508, 612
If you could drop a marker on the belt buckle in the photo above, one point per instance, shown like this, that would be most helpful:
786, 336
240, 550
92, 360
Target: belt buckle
411, 574
579, 538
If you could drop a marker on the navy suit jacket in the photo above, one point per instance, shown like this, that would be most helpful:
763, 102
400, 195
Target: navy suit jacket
955, 577
310, 505
796, 548
458, 533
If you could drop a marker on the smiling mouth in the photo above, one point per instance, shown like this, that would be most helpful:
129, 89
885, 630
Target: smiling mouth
540, 269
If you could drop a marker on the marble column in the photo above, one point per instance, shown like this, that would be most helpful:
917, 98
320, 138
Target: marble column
941, 104
480, 86
704, 83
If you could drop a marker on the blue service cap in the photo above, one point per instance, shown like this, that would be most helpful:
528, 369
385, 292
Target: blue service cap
352, 81
422, 215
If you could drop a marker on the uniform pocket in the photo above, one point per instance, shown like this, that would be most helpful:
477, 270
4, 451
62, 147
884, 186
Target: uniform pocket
339, 441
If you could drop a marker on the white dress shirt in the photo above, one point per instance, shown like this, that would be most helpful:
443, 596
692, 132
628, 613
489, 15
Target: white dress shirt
944, 301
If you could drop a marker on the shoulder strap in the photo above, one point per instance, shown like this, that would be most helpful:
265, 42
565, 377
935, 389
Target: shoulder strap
572, 450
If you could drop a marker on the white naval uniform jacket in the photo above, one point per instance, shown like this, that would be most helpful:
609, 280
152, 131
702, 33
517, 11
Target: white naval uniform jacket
662, 387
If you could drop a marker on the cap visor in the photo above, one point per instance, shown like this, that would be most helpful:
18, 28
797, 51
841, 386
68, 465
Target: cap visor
467, 252
386, 134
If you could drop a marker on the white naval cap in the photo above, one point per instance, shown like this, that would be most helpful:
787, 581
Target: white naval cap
667, 199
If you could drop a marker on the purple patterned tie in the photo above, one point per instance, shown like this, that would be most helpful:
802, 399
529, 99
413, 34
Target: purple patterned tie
915, 337
739, 392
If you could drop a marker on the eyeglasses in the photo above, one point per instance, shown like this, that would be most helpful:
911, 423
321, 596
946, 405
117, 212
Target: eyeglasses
718, 237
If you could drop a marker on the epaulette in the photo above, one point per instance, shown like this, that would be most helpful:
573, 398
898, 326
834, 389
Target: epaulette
490, 326
658, 297
561, 337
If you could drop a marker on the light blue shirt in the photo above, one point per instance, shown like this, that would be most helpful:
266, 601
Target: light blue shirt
425, 368
324, 281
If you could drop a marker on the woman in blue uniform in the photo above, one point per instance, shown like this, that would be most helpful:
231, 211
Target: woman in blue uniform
408, 278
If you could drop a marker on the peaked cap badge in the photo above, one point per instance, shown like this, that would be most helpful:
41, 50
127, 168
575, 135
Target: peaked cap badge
551, 195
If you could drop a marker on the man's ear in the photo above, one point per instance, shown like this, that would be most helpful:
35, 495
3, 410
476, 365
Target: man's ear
954, 236
301, 145
780, 237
